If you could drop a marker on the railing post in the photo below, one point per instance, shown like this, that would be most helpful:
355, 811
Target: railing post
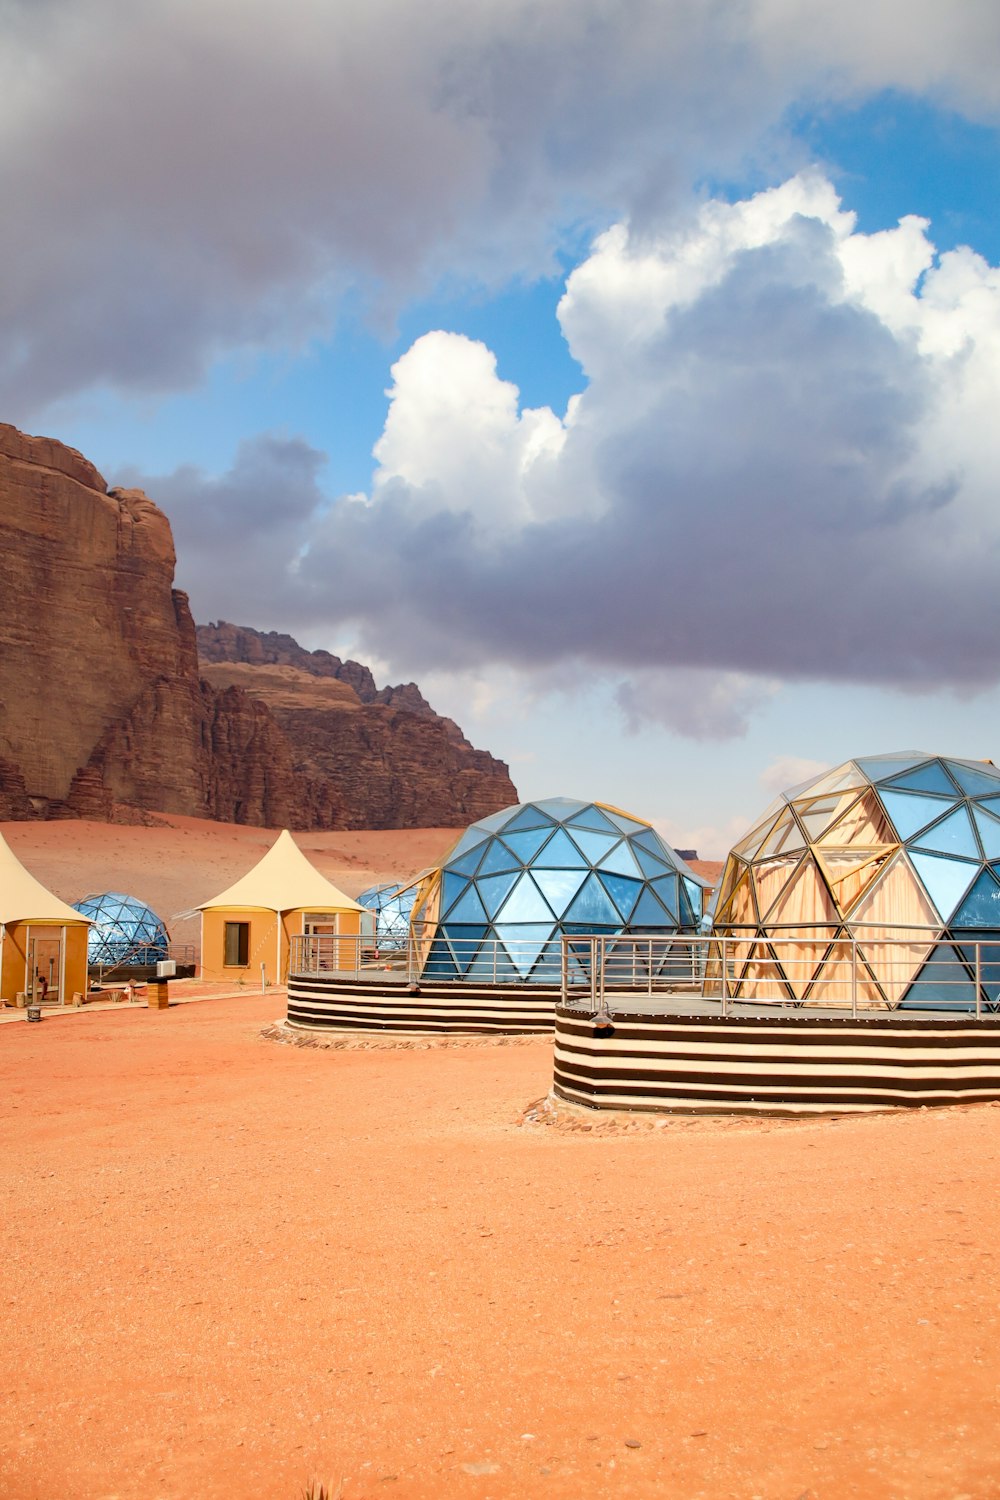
725, 980
979, 975
854, 978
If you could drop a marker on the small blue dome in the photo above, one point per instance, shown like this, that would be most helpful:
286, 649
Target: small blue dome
392, 907
125, 931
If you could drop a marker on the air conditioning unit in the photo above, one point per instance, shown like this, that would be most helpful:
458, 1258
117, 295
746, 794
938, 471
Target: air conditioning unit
166, 968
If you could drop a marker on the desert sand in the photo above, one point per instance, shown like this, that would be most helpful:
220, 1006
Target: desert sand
233, 1267
178, 862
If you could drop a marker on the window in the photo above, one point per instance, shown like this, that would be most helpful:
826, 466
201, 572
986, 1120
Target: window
237, 945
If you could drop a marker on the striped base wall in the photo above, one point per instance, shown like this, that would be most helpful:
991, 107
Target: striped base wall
795, 1065
322, 1000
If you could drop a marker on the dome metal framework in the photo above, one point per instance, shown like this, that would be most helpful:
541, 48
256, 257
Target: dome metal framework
392, 905
515, 882
125, 933
898, 854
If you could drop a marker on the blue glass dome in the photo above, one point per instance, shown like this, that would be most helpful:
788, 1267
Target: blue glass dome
517, 881
392, 907
125, 931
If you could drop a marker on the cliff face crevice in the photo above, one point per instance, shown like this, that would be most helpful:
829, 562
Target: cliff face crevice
105, 713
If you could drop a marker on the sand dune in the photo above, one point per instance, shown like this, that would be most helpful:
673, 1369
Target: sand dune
178, 862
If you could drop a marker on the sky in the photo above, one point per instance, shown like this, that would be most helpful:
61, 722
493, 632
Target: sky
625, 372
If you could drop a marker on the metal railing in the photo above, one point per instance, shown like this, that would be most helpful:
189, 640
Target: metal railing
824, 970
915, 969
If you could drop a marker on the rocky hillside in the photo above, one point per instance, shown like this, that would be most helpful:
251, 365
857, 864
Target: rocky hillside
386, 751
104, 712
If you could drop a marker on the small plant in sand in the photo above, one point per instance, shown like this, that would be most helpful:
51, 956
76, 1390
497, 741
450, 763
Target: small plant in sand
316, 1491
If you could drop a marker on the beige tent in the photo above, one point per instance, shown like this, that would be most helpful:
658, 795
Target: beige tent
246, 931
41, 938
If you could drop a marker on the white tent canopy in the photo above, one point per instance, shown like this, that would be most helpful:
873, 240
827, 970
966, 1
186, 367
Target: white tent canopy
25, 899
283, 880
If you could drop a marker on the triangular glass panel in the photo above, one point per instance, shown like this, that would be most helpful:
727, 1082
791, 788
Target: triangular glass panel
785, 835
594, 845
770, 878
559, 887
649, 912
561, 809
472, 838
525, 904
561, 853
593, 904
849, 873
943, 983
530, 816
548, 967
650, 839
623, 821
623, 892
953, 835
688, 918
986, 940
593, 817
892, 903
844, 779
494, 890
992, 804
464, 940
981, 907
484, 826
816, 820
988, 828
880, 767
452, 887
527, 843
911, 811
738, 909
468, 908
621, 861
666, 888
440, 964
696, 896
651, 866
929, 778
864, 824
492, 965
975, 782
805, 900
749, 845
498, 857
945, 880
524, 941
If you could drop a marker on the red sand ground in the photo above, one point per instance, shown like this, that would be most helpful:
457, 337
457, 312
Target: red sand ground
231, 1267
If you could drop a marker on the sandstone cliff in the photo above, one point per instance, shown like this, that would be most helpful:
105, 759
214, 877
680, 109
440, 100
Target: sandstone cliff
103, 711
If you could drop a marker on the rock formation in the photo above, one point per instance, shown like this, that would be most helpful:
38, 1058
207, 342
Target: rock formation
104, 713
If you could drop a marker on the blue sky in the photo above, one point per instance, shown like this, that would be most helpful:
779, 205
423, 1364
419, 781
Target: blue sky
747, 527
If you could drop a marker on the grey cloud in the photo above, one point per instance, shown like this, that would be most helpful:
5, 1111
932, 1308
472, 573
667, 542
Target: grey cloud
766, 510
182, 178
237, 535
760, 519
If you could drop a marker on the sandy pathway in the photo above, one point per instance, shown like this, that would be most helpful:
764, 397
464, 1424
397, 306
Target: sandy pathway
231, 1267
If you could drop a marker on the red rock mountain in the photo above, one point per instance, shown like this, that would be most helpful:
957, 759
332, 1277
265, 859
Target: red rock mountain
105, 711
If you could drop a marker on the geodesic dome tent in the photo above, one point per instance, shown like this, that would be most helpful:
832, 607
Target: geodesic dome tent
899, 854
392, 905
124, 932
519, 879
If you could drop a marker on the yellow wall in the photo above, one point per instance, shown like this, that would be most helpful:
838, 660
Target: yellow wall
14, 957
263, 944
